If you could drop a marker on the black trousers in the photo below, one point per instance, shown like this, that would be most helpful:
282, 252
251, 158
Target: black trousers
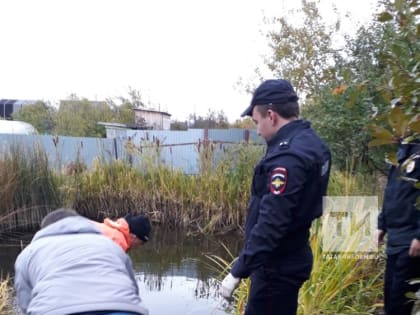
400, 268
275, 288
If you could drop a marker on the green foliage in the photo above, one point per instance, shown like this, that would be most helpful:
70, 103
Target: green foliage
214, 200
28, 187
339, 110
244, 123
303, 53
79, 117
400, 84
343, 128
40, 115
342, 117
340, 283
135, 98
122, 113
179, 125
353, 92
213, 120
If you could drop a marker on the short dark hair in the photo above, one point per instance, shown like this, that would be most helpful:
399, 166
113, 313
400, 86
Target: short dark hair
57, 215
286, 110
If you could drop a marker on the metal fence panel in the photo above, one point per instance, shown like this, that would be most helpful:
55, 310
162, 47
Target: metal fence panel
177, 149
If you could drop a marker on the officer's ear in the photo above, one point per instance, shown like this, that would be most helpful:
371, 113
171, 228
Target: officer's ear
273, 116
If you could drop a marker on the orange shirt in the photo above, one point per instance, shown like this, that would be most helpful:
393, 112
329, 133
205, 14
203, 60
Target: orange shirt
118, 231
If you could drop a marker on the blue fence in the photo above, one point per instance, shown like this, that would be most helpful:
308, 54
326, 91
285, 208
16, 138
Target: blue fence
176, 149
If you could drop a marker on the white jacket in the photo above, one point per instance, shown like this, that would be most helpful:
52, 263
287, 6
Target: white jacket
70, 267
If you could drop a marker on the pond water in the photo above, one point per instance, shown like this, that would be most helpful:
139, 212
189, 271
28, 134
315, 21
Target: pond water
174, 274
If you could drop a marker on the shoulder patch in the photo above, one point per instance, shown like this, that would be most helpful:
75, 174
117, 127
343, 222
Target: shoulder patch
278, 180
410, 164
325, 167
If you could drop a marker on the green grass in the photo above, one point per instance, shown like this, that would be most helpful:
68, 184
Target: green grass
28, 188
213, 201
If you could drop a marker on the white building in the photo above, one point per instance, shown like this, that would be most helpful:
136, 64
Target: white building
152, 119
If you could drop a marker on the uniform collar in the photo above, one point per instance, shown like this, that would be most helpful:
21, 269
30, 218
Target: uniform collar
285, 133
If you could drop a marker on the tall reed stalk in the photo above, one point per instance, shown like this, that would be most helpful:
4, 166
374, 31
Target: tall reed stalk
4, 295
348, 282
213, 200
6, 304
28, 188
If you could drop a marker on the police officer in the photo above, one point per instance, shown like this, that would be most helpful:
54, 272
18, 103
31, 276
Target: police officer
286, 196
400, 220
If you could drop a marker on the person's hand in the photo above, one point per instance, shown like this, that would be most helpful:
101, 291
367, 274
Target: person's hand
414, 248
229, 284
379, 236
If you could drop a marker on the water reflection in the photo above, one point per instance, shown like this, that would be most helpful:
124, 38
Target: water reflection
175, 277
173, 273
8, 254
181, 295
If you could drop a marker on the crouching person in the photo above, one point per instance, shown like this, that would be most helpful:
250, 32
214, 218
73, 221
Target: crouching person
71, 268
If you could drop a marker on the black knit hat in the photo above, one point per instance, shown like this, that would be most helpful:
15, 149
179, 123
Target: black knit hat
273, 92
139, 225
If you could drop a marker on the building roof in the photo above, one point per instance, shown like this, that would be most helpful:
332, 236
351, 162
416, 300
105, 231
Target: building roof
16, 102
151, 111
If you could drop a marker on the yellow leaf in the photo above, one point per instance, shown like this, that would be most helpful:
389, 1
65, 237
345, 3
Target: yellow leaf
339, 90
378, 142
414, 124
398, 121
381, 133
391, 157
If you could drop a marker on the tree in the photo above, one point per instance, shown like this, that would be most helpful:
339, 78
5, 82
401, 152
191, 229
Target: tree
135, 98
346, 106
79, 117
179, 125
244, 123
213, 120
122, 113
40, 115
303, 54
400, 88
378, 67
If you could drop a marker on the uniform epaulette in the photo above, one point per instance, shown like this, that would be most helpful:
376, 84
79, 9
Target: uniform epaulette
284, 144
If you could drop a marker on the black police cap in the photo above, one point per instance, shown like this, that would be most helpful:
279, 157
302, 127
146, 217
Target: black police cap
272, 92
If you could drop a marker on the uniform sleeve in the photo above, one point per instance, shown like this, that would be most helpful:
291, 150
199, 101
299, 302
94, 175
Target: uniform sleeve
381, 216
22, 284
275, 215
417, 201
381, 221
418, 224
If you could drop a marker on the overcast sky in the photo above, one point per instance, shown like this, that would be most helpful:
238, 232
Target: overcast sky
183, 56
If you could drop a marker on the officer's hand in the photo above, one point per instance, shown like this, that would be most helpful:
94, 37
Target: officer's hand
229, 284
380, 234
414, 248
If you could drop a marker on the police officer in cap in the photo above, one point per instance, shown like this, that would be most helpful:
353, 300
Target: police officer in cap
286, 196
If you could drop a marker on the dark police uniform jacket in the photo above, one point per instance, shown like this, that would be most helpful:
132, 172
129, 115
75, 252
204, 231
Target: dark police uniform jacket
286, 195
399, 217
